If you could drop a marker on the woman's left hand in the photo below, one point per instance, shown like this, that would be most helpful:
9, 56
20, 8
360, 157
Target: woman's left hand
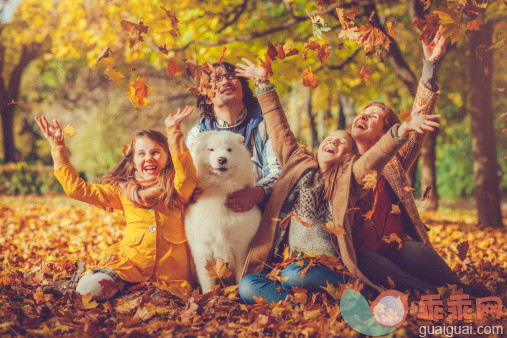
419, 124
434, 50
176, 119
250, 71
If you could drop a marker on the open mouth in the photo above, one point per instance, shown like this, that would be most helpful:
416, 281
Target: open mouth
227, 89
330, 150
361, 125
150, 168
221, 169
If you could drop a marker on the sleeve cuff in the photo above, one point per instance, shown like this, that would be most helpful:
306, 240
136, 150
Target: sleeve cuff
265, 89
394, 134
429, 74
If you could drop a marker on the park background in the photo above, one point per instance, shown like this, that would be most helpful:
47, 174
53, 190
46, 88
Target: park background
50, 63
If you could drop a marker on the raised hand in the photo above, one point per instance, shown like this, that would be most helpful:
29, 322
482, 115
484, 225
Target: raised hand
250, 71
176, 119
434, 50
419, 123
50, 133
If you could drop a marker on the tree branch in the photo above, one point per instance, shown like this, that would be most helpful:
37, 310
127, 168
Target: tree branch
241, 10
341, 65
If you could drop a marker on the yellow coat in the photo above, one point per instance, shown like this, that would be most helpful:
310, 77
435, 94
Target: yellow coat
154, 247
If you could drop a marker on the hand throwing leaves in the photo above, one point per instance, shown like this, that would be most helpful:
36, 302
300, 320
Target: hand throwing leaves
179, 117
434, 50
250, 71
50, 133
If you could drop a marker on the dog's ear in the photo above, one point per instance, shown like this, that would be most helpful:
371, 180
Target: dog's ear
239, 138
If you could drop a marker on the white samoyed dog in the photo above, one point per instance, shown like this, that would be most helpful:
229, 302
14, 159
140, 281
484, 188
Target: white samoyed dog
214, 231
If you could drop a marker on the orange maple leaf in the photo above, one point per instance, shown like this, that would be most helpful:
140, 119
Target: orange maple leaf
335, 229
428, 26
68, 130
370, 179
346, 18
114, 75
309, 79
137, 93
474, 25
365, 73
393, 238
323, 52
300, 220
173, 68
174, 31
135, 30
266, 64
218, 269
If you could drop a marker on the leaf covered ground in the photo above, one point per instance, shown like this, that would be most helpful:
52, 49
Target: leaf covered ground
42, 237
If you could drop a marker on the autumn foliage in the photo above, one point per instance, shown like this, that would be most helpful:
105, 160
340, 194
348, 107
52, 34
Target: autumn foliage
44, 236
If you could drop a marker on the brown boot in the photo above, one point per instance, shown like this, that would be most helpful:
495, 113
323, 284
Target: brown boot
60, 287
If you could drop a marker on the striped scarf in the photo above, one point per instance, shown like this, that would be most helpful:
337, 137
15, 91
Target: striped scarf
143, 192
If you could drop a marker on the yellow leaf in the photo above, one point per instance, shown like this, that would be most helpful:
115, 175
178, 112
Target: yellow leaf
68, 130
87, 302
370, 179
138, 92
114, 75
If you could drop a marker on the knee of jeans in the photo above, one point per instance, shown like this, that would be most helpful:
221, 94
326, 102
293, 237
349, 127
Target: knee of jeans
365, 257
291, 276
247, 289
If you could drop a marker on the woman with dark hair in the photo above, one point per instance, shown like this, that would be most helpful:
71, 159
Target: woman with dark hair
413, 263
234, 108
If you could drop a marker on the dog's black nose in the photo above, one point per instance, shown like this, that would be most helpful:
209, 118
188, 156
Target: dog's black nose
222, 160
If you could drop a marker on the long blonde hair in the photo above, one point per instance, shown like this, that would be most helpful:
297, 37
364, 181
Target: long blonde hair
124, 171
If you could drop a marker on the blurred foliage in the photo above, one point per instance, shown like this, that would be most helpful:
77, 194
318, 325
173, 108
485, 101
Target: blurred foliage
24, 179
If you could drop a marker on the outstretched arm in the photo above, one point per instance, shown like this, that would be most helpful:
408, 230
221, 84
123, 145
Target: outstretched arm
185, 175
425, 98
282, 138
102, 195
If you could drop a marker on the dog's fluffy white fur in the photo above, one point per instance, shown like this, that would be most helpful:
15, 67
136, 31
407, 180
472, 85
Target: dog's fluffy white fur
214, 231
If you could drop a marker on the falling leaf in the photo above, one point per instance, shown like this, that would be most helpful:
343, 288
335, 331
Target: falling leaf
135, 30
372, 38
390, 31
408, 189
174, 30
450, 19
323, 52
474, 25
393, 238
163, 49
370, 213
395, 209
289, 50
220, 59
319, 25
301, 221
103, 54
390, 282
312, 45
173, 68
463, 249
309, 79
272, 52
426, 193
335, 229
365, 73
137, 93
114, 75
346, 18
218, 269
132, 68
370, 179
352, 210
266, 64
68, 130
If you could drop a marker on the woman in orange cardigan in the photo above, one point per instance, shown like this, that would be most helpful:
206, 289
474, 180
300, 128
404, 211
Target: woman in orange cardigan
151, 184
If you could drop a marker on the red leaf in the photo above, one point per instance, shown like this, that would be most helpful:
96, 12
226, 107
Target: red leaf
309, 79
173, 68
135, 30
463, 249
272, 52
365, 73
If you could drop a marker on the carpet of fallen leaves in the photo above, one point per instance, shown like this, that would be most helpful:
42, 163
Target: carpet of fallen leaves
42, 237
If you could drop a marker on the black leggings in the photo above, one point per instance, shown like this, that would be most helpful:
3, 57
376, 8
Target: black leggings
414, 266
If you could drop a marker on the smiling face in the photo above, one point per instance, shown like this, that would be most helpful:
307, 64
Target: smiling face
227, 88
333, 148
368, 126
149, 157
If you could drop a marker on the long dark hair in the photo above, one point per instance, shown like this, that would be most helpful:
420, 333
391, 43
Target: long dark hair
249, 99
124, 171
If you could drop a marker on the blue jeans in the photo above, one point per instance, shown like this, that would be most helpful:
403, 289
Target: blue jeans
258, 285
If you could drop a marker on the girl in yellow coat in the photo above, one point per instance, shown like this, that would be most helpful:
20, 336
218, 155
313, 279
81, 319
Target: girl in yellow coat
152, 184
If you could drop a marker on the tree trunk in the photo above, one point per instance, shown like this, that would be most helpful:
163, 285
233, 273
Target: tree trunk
428, 171
314, 137
486, 168
8, 134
